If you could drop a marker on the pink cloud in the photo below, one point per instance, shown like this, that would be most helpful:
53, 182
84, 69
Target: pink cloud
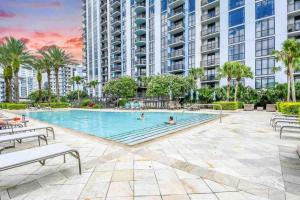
51, 4
6, 14
74, 42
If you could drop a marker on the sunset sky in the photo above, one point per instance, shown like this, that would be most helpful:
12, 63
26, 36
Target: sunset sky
41, 23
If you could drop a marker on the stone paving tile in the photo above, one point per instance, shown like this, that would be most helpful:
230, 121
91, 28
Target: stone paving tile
147, 198
217, 187
122, 175
194, 186
175, 197
146, 188
203, 197
120, 189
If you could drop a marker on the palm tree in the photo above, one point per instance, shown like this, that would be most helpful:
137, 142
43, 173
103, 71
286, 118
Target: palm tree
290, 56
197, 74
18, 56
39, 65
227, 71
58, 59
77, 80
47, 69
93, 84
240, 71
7, 71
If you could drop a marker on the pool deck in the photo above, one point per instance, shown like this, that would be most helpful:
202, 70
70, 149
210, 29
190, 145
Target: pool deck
239, 159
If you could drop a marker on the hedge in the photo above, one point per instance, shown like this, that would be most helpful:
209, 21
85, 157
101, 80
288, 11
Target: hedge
13, 106
289, 108
227, 105
278, 104
122, 102
55, 105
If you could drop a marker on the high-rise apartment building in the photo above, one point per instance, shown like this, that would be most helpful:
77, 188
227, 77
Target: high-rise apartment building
149, 37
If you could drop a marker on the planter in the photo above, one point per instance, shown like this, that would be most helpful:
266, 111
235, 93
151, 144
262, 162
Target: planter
248, 107
260, 109
271, 108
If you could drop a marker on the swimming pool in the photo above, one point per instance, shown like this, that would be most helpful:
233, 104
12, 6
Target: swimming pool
122, 127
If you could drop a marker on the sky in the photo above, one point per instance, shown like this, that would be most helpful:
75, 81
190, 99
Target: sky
43, 23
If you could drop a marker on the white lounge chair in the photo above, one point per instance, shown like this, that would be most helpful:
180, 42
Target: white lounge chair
28, 129
19, 137
280, 122
289, 126
38, 154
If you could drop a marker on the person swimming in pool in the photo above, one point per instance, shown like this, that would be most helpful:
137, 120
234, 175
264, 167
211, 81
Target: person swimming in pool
171, 121
142, 116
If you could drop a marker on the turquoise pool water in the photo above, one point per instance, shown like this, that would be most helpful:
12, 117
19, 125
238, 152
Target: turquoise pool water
109, 124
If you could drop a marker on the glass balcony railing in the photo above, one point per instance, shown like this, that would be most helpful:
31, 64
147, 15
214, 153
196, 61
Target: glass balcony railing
176, 40
205, 2
210, 62
177, 53
294, 27
210, 30
293, 6
210, 46
176, 67
141, 62
176, 11
177, 26
211, 77
210, 15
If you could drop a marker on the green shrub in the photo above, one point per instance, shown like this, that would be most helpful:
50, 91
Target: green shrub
278, 104
227, 105
97, 106
122, 102
289, 108
16, 106
55, 105
85, 102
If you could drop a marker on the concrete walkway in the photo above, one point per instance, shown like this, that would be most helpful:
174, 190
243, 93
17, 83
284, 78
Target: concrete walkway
240, 159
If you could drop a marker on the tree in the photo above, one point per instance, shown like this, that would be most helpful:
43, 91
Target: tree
77, 80
58, 59
240, 71
197, 74
227, 71
7, 71
47, 67
18, 56
38, 65
93, 84
169, 85
290, 56
73, 95
124, 87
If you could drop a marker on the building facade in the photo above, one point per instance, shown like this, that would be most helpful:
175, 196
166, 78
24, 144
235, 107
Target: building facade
149, 37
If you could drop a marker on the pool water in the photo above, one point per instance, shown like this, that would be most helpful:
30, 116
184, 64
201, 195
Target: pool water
109, 124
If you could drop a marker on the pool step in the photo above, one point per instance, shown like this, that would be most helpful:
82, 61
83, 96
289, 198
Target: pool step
142, 135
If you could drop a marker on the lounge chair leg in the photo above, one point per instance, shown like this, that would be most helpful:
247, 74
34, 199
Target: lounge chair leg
64, 158
39, 140
42, 162
79, 163
280, 134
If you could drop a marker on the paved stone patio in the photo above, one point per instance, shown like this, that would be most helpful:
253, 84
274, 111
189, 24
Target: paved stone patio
240, 159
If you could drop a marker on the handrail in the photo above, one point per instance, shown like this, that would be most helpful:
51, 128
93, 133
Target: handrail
199, 105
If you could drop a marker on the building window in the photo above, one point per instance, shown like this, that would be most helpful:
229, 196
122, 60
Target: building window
191, 5
265, 27
236, 35
264, 9
264, 66
164, 5
235, 3
264, 82
265, 46
236, 17
236, 52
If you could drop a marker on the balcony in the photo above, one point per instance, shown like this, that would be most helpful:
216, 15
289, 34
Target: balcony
176, 55
207, 2
176, 14
116, 59
116, 41
176, 28
176, 42
116, 68
210, 62
293, 8
177, 67
211, 77
294, 29
116, 50
140, 41
116, 22
140, 19
210, 31
210, 15
140, 52
116, 12
115, 4
140, 62
175, 3
140, 30
210, 47
116, 31
140, 7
